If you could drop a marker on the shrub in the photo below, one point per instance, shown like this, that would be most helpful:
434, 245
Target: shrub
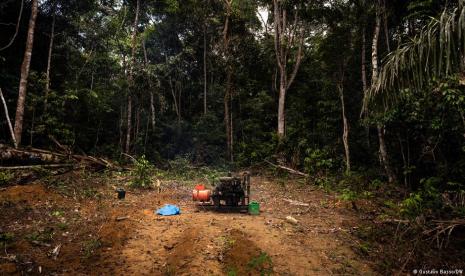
5, 177
318, 161
142, 173
426, 201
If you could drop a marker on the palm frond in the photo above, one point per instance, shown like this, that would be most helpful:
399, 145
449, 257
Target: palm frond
436, 52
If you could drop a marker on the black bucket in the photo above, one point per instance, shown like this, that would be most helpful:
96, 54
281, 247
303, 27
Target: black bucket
121, 193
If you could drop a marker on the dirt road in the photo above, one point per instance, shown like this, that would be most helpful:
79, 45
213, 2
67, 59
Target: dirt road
111, 237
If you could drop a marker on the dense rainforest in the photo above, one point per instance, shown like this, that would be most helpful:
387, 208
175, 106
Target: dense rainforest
362, 98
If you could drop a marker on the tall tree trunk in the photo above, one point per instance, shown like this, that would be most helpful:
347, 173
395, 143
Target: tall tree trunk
231, 129
152, 110
227, 92
121, 124
383, 153
137, 128
49, 61
146, 135
7, 116
281, 110
386, 29
152, 102
129, 125
345, 122
131, 79
227, 116
364, 78
25, 74
364, 70
404, 160
204, 68
374, 50
122, 109
179, 88
285, 37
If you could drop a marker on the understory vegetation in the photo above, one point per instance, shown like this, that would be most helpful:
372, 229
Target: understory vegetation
364, 99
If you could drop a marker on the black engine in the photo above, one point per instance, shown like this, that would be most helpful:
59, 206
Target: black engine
232, 191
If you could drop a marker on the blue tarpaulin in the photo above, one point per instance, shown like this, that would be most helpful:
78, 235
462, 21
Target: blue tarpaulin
169, 210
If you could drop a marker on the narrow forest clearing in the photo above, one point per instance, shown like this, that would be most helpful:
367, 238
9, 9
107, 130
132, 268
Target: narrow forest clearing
97, 234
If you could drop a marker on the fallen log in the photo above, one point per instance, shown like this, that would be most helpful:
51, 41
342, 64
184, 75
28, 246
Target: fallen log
46, 166
29, 156
46, 158
287, 169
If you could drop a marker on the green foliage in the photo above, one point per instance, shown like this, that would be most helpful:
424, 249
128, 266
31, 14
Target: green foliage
348, 195
427, 201
318, 161
90, 247
375, 184
62, 226
355, 181
352, 196
57, 213
6, 238
45, 235
207, 140
181, 165
232, 271
142, 173
434, 53
91, 193
56, 183
325, 182
365, 248
412, 206
181, 168
262, 263
5, 177
211, 175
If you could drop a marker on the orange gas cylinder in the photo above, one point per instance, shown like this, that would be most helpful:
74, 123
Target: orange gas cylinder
199, 187
200, 193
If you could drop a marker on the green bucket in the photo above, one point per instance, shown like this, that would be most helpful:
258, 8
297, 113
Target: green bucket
254, 208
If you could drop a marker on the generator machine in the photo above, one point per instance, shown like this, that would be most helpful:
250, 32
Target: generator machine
229, 192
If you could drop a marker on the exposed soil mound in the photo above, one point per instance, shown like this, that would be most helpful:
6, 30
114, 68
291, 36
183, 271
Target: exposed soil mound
243, 257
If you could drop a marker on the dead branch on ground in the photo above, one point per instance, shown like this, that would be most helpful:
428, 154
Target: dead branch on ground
21, 158
287, 169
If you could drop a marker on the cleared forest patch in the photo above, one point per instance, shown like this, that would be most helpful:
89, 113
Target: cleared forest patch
80, 227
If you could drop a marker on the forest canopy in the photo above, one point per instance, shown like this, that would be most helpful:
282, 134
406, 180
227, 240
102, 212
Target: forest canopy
239, 82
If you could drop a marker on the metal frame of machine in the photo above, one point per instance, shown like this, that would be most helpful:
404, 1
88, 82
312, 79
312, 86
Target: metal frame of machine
230, 192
